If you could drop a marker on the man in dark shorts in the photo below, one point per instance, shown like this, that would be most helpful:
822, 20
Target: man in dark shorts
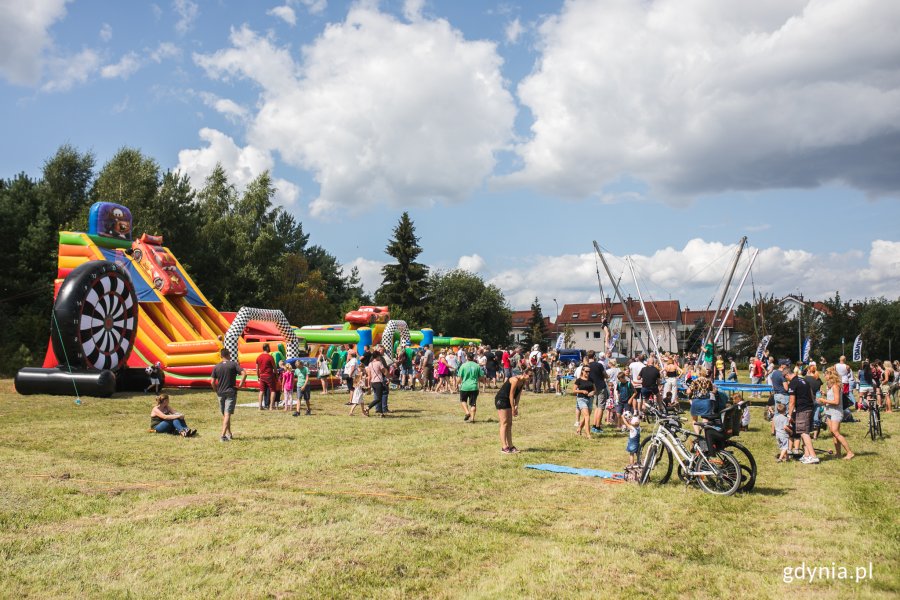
224, 376
801, 406
649, 377
265, 373
490, 367
597, 376
469, 374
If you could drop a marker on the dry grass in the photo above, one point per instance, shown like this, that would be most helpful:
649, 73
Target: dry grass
416, 505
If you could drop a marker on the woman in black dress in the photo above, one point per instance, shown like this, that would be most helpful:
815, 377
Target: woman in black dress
507, 403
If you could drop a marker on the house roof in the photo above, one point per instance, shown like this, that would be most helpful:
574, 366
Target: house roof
692, 317
815, 305
659, 311
521, 318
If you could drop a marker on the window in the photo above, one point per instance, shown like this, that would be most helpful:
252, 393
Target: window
598, 334
593, 315
587, 335
574, 315
637, 334
640, 312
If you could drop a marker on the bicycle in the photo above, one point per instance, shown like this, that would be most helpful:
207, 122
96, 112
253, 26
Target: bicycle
729, 422
874, 420
711, 467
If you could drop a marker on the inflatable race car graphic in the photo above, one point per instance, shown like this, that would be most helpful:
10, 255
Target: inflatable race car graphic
368, 315
156, 260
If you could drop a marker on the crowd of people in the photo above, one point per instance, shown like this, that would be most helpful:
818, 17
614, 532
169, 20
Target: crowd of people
607, 393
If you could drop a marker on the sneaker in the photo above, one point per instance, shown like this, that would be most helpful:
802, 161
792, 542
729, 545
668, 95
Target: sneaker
814, 460
223, 438
295, 413
513, 450
308, 412
505, 450
467, 417
596, 430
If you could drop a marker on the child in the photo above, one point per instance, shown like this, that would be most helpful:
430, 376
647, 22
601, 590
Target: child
781, 435
287, 384
634, 436
736, 399
626, 394
359, 385
301, 378
155, 374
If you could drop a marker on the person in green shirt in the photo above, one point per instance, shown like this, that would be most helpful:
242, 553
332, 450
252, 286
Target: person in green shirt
301, 380
469, 373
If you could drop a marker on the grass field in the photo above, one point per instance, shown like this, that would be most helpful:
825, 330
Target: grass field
417, 505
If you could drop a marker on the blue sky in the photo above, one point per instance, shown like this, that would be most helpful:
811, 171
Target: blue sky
514, 133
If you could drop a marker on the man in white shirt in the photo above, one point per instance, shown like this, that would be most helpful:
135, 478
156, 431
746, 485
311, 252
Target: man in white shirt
635, 368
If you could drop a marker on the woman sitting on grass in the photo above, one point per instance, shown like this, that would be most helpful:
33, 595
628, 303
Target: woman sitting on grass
165, 420
507, 403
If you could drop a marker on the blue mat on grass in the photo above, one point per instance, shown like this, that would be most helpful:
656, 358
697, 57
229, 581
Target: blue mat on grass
574, 471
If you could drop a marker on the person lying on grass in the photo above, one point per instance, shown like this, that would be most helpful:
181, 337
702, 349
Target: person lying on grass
164, 419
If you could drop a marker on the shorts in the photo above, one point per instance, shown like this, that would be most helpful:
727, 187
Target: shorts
491, 373
885, 389
782, 399
502, 403
469, 398
803, 421
303, 394
429, 374
648, 393
349, 381
835, 414
227, 404
405, 370
634, 445
266, 387
621, 407
154, 381
701, 407
782, 439
507, 372
584, 403
602, 394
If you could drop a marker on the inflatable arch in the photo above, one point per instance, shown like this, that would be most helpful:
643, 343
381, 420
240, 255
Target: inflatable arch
387, 337
247, 314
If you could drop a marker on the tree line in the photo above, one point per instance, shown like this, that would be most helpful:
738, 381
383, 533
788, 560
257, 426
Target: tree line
239, 247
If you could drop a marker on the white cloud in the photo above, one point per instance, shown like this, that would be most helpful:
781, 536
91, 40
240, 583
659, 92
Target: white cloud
313, 7
106, 32
25, 36
127, 65
369, 273
66, 72
694, 273
285, 13
242, 165
230, 109
513, 30
187, 12
379, 110
473, 263
702, 96
412, 9
164, 51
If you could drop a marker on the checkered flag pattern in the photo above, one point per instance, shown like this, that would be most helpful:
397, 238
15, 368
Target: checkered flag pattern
247, 314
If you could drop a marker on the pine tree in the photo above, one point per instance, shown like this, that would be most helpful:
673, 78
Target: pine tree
405, 283
537, 329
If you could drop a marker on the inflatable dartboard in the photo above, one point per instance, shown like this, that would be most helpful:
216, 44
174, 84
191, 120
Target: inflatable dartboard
97, 312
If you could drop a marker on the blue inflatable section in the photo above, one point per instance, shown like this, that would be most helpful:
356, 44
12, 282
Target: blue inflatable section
145, 292
574, 471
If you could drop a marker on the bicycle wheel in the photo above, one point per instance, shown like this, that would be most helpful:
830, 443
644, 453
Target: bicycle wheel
871, 432
727, 479
747, 462
657, 464
878, 425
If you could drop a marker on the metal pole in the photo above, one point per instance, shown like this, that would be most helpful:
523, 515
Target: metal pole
708, 336
621, 299
799, 336
736, 294
644, 310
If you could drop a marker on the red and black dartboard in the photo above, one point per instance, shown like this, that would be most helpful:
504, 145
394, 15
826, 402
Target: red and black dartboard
97, 312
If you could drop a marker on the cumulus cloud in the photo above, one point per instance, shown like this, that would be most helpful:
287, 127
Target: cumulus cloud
106, 32
377, 109
25, 36
230, 109
473, 263
412, 9
314, 7
126, 66
187, 13
694, 273
242, 165
164, 51
64, 72
702, 96
285, 13
369, 272
513, 30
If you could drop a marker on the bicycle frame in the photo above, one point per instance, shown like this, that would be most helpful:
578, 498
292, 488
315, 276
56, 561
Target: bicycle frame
679, 450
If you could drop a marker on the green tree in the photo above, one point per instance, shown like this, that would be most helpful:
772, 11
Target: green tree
68, 175
568, 336
464, 305
879, 325
405, 283
771, 319
537, 328
840, 322
130, 179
